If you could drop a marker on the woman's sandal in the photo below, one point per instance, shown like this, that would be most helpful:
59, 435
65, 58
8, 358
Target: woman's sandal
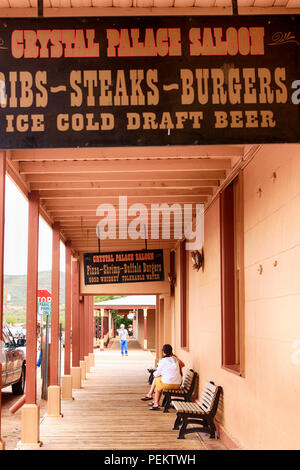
154, 408
146, 398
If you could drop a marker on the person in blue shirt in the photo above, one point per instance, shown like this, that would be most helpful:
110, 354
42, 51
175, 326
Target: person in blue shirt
123, 334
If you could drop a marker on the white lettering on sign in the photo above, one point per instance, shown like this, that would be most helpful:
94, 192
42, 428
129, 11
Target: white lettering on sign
44, 299
296, 94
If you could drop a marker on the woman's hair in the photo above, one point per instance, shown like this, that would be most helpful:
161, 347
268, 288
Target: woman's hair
167, 349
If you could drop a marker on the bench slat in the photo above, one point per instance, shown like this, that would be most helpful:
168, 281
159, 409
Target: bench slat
210, 386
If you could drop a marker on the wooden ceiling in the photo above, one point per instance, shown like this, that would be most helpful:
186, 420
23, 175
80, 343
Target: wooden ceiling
73, 182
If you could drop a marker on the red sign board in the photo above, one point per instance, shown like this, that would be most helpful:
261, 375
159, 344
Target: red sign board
44, 296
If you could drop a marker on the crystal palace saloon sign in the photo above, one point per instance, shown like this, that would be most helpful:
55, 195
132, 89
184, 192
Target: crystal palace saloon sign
127, 81
123, 267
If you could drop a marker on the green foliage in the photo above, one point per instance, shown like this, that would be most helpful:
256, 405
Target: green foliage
102, 298
120, 319
16, 317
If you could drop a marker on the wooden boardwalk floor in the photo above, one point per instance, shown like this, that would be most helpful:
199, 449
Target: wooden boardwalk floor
107, 412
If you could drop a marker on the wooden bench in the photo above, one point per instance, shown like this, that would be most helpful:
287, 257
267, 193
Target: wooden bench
184, 393
201, 412
151, 376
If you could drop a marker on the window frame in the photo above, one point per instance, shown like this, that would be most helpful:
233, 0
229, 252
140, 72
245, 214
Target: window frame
232, 275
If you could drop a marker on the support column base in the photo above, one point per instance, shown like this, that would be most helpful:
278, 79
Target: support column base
101, 344
54, 402
30, 427
66, 387
92, 359
2, 445
76, 378
21, 446
87, 364
83, 370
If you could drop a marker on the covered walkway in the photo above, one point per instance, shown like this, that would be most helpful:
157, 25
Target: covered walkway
107, 412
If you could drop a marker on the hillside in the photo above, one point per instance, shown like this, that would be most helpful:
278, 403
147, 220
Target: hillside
15, 288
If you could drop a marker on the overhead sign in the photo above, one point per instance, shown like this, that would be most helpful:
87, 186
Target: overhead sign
44, 302
138, 81
123, 267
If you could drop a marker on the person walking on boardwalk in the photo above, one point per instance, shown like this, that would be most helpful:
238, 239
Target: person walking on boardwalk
123, 334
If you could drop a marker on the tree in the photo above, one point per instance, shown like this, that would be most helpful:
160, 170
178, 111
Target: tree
120, 319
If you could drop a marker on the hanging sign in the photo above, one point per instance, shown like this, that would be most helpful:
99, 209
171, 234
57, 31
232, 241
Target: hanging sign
123, 267
147, 81
44, 302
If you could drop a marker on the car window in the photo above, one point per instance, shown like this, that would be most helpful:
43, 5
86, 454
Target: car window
7, 338
9, 334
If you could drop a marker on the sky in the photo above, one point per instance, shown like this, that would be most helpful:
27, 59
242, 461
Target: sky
16, 235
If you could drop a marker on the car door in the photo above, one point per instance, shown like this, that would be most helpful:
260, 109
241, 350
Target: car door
14, 365
3, 362
9, 360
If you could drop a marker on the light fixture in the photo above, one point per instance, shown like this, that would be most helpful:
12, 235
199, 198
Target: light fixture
197, 259
172, 279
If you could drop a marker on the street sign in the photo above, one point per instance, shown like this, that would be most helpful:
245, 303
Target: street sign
44, 302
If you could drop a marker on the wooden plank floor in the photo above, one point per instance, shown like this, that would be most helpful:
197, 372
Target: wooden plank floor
107, 412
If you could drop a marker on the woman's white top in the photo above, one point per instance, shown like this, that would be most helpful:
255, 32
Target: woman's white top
123, 334
168, 368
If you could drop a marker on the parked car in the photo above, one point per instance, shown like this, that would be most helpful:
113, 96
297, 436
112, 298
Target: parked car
13, 362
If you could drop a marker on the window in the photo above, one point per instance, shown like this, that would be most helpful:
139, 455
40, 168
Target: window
183, 298
232, 285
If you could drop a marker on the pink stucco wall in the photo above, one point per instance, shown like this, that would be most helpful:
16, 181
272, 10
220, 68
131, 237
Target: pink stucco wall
262, 409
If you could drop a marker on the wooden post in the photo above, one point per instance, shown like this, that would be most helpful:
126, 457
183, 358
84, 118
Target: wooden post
75, 370
81, 338
91, 324
157, 342
86, 306
30, 421
167, 320
102, 330
81, 326
67, 361
32, 287
75, 314
54, 398
86, 301
145, 329
54, 305
91, 331
183, 318
2, 220
96, 328
66, 380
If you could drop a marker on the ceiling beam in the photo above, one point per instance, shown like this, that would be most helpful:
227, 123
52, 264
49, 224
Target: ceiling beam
91, 186
107, 245
147, 11
87, 194
78, 205
135, 166
92, 178
105, 153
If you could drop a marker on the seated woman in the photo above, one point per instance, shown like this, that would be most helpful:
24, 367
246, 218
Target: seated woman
168, 375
